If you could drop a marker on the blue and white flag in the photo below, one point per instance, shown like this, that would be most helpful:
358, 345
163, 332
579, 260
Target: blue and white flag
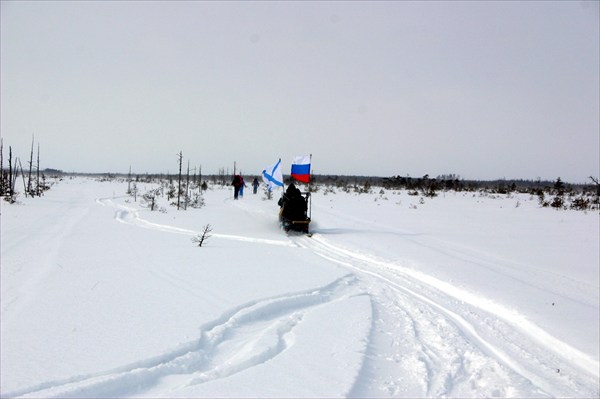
273, 176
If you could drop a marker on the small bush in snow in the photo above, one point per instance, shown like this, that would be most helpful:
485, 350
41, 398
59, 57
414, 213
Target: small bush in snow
580, 204
202, 237
268, 194
558, 202
197, 201
329, 190
150, 198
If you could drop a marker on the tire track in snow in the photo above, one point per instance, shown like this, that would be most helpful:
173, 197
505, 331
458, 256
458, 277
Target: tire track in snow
241, 338
529, 352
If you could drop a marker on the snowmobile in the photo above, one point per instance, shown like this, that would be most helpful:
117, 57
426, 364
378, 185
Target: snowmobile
293, 212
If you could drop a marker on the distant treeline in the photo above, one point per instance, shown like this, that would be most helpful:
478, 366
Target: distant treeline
454, 183
556, 194
563, 194
441, 182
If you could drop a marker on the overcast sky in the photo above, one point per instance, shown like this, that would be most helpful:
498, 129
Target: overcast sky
480, 89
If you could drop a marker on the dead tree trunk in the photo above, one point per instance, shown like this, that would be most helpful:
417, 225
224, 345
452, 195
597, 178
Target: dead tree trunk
23, 176
11, 191
37, 187
179, 180
28, 188
129, 181
2, 181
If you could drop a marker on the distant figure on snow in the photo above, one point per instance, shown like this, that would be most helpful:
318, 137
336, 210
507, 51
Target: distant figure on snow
255, 185
236, 183
242, 186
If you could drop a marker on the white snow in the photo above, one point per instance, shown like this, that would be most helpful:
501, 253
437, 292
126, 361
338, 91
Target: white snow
464, 295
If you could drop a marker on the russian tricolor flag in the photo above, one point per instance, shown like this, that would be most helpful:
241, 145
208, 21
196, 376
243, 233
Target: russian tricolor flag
301, 168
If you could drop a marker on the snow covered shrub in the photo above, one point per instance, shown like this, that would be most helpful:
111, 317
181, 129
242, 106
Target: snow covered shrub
542, 199
328, 190
580, 204
197, 201
364, 189
11, 199
382, 195
150, 198
557, 202
171, 192
268, 194
429, 192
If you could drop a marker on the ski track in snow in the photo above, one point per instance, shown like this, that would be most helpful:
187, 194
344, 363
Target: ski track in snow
243, 337
442, 338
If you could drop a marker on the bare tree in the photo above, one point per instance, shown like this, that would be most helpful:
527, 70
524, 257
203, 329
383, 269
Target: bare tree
37, 187
179, 180
129, 181
597, 200
28, 189
201, 237
187, 185
2, 175
11, 186
595, 182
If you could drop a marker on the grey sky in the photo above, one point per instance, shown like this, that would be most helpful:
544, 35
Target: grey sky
480, 89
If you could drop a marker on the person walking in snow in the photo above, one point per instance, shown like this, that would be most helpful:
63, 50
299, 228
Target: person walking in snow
255, 185
236, 183
242, 186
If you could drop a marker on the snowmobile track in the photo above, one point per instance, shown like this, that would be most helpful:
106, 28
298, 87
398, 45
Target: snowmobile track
241, 338
496, 340
483, 327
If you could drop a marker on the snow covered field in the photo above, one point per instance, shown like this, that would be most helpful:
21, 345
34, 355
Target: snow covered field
463, 295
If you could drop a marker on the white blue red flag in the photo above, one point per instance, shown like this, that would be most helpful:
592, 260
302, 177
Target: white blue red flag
273, 176
301, 168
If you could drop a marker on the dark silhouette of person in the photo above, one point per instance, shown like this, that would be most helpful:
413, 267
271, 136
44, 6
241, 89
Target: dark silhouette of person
236, 183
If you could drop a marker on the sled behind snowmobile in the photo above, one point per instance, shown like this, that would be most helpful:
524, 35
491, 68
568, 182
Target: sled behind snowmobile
293, 212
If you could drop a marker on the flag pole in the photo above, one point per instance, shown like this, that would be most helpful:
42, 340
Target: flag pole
309, 193
282, 180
